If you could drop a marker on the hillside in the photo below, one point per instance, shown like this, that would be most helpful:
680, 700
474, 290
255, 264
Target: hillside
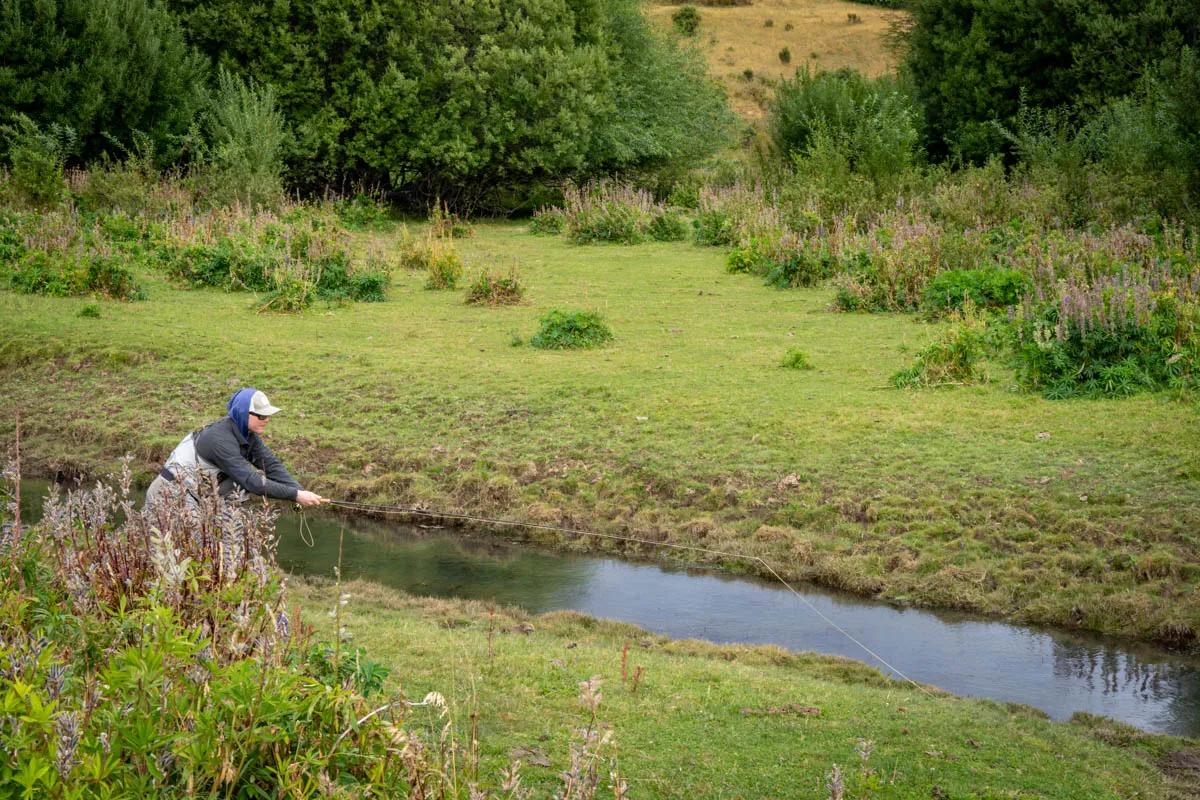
819, 33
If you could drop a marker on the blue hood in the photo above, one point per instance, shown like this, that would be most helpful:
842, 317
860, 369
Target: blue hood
239, 411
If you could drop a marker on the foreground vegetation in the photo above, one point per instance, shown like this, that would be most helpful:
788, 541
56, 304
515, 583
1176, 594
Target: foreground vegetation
161, 655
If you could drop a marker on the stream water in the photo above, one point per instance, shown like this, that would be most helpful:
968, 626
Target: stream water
1057, 671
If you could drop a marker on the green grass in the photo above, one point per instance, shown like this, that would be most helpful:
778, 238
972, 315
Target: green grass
685, 731
684, 428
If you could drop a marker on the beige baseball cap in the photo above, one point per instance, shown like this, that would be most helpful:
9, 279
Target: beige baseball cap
259, 404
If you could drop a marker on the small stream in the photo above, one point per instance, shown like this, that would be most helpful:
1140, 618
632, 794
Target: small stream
1057, 671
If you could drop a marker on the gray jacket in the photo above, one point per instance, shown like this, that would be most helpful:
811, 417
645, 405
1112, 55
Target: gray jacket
241, 459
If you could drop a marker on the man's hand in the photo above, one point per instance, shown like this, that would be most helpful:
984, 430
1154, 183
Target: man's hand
307, 499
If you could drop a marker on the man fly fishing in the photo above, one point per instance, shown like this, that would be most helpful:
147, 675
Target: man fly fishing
231, 453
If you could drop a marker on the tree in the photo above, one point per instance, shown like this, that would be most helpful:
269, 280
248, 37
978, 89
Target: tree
104, 68
974, 63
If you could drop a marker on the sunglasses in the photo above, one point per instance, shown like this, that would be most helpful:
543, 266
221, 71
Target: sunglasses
260, 416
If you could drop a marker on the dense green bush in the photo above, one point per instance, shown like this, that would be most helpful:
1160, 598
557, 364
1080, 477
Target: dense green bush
363, 212
801, 266
55, 254
244, 140
1111, 336
106, 69
37, 158
870, 123
549, 220
686, 20
984, 288
975, 62
564, 330
539, 88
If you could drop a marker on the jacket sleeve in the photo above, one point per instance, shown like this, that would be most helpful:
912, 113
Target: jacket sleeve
269, 463
220, 448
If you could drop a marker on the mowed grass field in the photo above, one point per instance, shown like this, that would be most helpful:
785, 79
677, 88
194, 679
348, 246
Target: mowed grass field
1083, 513
818, 33
709, 721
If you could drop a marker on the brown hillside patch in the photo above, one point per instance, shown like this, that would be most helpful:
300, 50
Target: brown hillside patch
736, 38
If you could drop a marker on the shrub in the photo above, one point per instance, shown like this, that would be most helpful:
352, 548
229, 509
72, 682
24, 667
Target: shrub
769, 23
245, 135
444, 267
37, 157
610, 212
984, 288
727, 216
494, 288
750, 258
954, 358
870, 123
561, 330
902, 255
853, 18
795, 358
798, 262
686, 20
1110, 336
65, 264
89, 311
363, 212
548, 220
667, 225
785, 56
291, 293
293, 261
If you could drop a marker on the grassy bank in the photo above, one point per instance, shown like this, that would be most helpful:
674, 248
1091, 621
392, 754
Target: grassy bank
730, 721
1080, 513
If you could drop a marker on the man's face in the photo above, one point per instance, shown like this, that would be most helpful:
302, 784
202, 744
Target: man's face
257, 424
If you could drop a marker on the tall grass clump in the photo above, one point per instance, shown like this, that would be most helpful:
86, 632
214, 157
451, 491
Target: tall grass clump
493, 287
604, 211
1111, 335
953, 358
731, 215
569, 330
155, 653
548, 220
59, 254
